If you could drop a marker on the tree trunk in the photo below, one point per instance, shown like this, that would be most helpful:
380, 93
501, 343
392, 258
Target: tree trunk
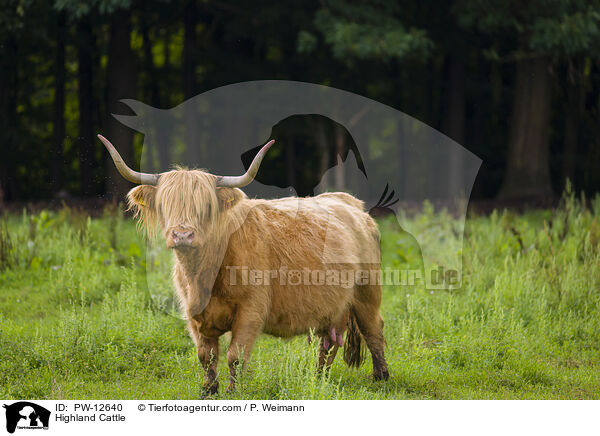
58, 123
193, 153
527, 166
149, 66
453, 121
85, 78
9, 85
290, 166
189, 50
155, 101
121, 84
574, 109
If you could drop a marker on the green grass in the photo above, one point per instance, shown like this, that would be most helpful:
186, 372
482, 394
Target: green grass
79, 320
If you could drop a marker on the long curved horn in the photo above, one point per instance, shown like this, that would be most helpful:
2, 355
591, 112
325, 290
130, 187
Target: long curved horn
245, 179
125, 171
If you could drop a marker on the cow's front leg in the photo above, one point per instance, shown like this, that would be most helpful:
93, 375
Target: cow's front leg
208, 355
246, 328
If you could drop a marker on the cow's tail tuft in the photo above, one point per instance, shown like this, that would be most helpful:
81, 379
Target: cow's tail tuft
384, 205
353, 355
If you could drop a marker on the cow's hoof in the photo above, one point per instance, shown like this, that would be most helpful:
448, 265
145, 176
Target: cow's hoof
381, 375
210, 389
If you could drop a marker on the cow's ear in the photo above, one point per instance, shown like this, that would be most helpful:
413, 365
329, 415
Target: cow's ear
229, 197
142, 201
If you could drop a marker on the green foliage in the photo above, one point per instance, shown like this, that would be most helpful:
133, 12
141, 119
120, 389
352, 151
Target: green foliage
398, 53
553, 27
365, 30
94, 318
78, 9
569, 34
12, 18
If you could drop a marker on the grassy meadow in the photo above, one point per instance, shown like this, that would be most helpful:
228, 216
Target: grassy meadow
78, 318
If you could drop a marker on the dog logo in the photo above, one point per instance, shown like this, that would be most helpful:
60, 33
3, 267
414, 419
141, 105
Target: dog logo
26, 415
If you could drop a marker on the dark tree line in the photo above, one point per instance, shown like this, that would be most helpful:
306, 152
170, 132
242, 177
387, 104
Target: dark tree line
517, 83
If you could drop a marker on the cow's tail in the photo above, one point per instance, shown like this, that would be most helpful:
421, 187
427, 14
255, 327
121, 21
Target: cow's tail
384, 205
353, 355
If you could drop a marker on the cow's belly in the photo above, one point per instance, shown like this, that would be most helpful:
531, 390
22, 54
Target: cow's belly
295, 311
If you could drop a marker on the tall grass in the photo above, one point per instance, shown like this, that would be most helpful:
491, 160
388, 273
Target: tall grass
86, 311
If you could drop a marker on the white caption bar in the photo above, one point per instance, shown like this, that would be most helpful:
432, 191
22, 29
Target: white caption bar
298, 417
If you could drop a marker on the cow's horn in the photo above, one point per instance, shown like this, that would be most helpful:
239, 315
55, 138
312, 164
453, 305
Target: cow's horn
125, 171
245, 179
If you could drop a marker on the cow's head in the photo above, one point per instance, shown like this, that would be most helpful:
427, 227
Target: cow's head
184, 203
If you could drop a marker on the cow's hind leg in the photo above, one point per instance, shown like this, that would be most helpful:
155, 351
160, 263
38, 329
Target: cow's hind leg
370, 324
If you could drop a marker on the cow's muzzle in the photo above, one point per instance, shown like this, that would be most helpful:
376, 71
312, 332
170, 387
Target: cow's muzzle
180, 238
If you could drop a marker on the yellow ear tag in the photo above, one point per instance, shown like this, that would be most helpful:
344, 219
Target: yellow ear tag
141, 202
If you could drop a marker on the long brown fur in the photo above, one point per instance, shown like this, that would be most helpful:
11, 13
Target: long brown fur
330, 231
352, 347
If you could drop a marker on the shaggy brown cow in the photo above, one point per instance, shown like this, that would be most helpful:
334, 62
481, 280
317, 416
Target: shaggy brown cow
218, 234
